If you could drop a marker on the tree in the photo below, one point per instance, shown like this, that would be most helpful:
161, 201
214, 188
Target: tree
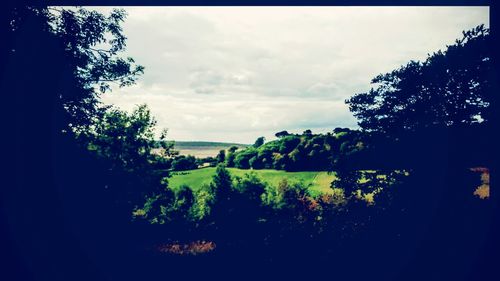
157, 209
450, 87
54, 77
222, 208
255, 163
184, 200
184, 163
288, 144
339, 130
265, 157
252, 187
282, 162
90, 62
297, 152
230, 156
58, 85
222, 183
282, 134
126, 139
259, 142
242, 159
298, 159
221, 157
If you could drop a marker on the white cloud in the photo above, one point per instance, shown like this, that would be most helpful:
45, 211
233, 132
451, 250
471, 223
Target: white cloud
236, 73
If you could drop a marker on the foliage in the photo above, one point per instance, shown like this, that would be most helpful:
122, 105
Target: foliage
224, 207
222, 185
221, 156
306, 152
157, 208
281, 134
184, 201
126, 139
450, 87
251, 186
202, 205
367, 185
62, 60
170, 207
89, 63
284, 195
259, 142
230, 156
242, 159
184, 163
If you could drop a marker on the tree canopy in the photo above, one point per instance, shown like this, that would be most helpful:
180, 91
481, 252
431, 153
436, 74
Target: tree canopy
83, 49
296, 152
259, 142
450, 87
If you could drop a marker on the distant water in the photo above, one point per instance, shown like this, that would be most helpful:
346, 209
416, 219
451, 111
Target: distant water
202, 149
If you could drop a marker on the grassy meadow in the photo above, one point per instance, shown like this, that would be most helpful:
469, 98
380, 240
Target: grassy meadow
318, 182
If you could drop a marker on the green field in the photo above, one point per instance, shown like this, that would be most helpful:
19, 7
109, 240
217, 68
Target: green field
318, 182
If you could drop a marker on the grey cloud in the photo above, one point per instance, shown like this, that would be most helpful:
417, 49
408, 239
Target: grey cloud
209, 81
324, 89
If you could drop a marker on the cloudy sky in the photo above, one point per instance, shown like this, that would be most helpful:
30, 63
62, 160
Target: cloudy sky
236, 73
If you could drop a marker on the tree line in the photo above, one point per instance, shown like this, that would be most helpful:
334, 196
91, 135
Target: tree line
298, 152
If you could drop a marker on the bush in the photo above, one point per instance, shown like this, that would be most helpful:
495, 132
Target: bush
242, 159
183, 163
251, 187
157, 208
202, 204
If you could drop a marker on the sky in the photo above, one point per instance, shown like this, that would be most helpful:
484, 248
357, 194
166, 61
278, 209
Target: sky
233, 74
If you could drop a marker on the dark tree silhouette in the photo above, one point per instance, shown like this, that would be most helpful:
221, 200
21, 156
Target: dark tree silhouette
222, 183
221, 156
64, 198
259, 142
437, 109
307, 132
450, 87
282, 134
184, 163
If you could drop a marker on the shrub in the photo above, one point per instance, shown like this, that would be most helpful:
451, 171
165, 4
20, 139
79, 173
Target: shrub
203, 199
242, 159
183, 163
251, 187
